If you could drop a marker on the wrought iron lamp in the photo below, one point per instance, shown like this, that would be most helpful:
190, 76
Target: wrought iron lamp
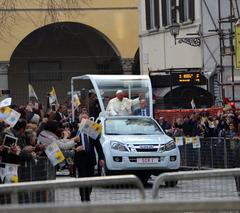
193, 41
174, 30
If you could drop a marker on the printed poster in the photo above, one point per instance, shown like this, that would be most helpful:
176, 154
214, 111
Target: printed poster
9, 172
54, 154
196, 142
179, 141
188, 140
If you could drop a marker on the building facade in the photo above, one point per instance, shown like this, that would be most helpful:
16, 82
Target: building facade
94, 37
191, 64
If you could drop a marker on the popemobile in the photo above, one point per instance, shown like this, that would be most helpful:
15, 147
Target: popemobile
133, 144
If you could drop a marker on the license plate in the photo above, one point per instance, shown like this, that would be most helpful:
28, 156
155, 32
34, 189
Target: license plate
147, 160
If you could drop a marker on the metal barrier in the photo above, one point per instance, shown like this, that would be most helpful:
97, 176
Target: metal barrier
36, 170
219, 183
214, 152
107, 189
138, 207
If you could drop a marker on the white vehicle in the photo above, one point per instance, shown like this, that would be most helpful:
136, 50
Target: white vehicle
132, 144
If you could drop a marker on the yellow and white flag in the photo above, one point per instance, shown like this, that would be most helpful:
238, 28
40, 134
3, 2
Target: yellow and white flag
31, 92
76, 101
53, 97
11, 116
54, 154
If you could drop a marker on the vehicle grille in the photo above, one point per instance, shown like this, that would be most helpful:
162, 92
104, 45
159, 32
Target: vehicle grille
147, 150
146, 147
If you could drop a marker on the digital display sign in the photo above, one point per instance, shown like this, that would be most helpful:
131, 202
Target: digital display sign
179, 79
189, 78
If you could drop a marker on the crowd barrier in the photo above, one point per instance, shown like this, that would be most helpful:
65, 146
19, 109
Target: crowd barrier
109, 189
39, 169
222, 199
226, 206
206, 153
198, 185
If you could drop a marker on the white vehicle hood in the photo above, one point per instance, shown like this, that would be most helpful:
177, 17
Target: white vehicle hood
140, 139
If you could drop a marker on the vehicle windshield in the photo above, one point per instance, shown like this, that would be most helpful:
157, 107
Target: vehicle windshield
132, 126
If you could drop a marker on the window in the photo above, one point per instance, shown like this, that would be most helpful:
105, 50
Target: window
186, 10
168, 12
152, 14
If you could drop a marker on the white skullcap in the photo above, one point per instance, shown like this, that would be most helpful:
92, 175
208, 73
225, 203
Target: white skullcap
119, 91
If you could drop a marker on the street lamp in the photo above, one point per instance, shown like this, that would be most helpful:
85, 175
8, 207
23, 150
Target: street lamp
174, 31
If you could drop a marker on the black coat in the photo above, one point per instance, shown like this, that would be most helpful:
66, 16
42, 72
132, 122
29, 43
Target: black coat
85, 159
59, 117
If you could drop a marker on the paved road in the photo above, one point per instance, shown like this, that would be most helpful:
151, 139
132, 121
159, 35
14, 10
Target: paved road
190, 190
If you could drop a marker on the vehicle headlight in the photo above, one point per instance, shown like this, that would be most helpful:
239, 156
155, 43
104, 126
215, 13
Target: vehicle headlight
118, 146
170, 145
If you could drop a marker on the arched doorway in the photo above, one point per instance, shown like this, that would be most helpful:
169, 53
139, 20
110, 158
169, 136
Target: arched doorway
51, 55
180, 98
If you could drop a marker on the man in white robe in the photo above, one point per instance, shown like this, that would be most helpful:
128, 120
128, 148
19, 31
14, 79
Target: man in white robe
121, 105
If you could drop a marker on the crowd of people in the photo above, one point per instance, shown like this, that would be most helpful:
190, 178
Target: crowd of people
34, 131
225, 124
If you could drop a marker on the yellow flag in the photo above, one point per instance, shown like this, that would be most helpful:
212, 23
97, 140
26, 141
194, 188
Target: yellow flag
76, 100
53, 97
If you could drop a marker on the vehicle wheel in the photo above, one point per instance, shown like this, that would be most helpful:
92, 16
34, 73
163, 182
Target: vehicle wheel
144, 179
171, 183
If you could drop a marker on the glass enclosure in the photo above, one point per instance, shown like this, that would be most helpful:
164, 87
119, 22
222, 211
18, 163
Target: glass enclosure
105, 87
131, 126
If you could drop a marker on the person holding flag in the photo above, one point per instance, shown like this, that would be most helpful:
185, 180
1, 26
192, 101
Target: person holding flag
85, 158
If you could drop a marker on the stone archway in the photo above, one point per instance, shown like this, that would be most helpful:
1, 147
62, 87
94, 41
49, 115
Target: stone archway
51, 55
181, 97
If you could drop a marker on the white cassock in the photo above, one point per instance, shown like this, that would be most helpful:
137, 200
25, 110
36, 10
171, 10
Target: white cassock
124, 107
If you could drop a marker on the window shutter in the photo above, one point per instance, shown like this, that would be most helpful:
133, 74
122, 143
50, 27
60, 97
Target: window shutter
181, 10
173, 11
156, 13
164, 13
192, 10
148, 18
